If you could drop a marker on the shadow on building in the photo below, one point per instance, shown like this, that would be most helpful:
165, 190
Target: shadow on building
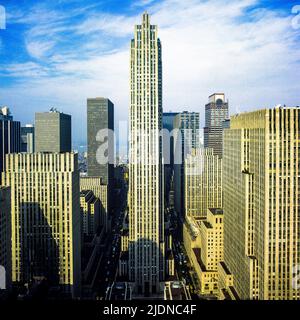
40, 273
147, 267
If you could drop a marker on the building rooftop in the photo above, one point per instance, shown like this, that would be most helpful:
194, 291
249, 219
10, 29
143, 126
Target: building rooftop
197, 252
228, 293
216, 211
84, 192
170, 113
5, 114
207, 225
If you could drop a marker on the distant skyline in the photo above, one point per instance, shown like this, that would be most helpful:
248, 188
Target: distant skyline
59, 53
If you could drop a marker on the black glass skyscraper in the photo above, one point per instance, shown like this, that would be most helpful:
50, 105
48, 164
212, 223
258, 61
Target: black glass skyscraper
100, 121
10, 136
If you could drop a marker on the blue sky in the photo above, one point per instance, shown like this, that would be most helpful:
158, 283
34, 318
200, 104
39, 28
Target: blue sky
58, 53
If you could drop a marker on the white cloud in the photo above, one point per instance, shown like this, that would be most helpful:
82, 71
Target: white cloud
142, 3
24, 70
38, 49
109, 24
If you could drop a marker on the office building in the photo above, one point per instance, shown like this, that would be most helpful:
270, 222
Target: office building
168, 124
146, 212
100, 151
90, 213
53, 132
203, 182
10, 136
261, 203
186, 138
5, 238
168, 152
203, 239
216, 112
27, 139
45, 216
99, 190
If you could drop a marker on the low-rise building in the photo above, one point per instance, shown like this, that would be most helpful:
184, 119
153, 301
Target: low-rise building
203, 241
90, 212
100, 191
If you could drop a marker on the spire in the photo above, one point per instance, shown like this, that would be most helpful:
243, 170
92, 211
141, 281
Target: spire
146, 18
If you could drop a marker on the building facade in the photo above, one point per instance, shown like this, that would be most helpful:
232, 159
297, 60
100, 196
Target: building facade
146, 214
100, 119
203, 182
100, 191
216, 111
27, 139
53, 132
5, 238
204, 243
187, 137
168, 152
10, 136
168, 124
45, 215
261, 203
90, 213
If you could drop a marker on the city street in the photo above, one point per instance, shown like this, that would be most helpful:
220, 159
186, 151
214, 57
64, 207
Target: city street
107, 271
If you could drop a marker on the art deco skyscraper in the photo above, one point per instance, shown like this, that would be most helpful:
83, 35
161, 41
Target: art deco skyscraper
5, 238
187, 137
261, 203
146, 218
203, 182
45, 216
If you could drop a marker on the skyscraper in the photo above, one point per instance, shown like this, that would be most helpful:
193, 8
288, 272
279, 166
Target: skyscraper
186, 138
90, 212
261, 203
203, 182
168, 151
53, 132
146, 216
203, 240
100, 154
216, 111
10, 136
100, 119
99, 189
45, 215
27, 139
168, 124
5, 237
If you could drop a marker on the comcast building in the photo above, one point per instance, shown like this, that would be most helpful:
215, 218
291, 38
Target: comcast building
146, 218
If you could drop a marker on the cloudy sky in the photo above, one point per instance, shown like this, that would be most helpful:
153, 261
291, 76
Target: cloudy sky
58, 53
